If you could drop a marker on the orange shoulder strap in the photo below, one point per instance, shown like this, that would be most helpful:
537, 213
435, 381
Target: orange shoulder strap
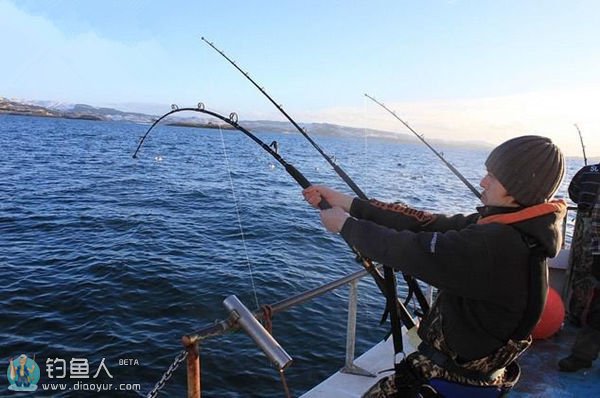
554, 206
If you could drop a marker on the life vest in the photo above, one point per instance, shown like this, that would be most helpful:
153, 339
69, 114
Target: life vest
494, 375
502, 363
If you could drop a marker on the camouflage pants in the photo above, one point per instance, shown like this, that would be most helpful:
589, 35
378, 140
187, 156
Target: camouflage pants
581, 280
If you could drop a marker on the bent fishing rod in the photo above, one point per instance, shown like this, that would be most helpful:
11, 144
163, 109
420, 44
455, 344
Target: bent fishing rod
411, 281
439, 155
582, 146
232, 120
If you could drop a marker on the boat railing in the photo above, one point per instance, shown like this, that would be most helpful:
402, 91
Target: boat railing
240, 317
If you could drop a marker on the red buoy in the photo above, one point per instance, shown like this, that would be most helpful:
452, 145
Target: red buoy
552, 317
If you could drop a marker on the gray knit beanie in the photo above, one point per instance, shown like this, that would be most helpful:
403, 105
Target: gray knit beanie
530, 168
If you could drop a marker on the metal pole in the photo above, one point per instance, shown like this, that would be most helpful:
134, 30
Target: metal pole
193, 367
309, 295
350, 367
351, 328
219, 328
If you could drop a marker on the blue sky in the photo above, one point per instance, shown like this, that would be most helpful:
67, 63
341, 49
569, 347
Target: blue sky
481, 70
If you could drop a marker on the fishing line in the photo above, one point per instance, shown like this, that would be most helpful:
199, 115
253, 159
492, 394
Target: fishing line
298, 177
239, 218
365, 150
439, 155
368, 308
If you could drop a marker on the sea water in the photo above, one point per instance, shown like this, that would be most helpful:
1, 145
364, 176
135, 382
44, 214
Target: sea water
106, 260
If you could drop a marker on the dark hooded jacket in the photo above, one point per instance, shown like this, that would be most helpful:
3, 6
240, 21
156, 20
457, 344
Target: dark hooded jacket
479, 267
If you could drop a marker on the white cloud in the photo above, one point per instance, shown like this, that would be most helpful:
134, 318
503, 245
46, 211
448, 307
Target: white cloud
495, 119
44, 63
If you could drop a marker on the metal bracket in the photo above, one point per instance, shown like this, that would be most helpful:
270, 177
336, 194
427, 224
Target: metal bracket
352, 369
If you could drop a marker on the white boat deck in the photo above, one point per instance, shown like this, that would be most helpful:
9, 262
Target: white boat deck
379, 360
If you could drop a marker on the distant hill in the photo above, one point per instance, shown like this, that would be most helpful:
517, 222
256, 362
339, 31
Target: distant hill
24, 109
328, 129
16, 108
88, 112
71, 111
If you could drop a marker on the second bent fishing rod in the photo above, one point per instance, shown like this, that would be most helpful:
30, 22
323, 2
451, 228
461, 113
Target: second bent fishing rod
412, 283
439, 155
337, 168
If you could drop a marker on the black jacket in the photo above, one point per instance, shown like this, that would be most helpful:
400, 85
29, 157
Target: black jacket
481, 270
584, 187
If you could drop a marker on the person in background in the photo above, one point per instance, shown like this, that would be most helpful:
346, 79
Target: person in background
584, 269
489, 268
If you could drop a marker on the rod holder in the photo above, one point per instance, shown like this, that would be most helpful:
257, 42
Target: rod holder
257, 332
